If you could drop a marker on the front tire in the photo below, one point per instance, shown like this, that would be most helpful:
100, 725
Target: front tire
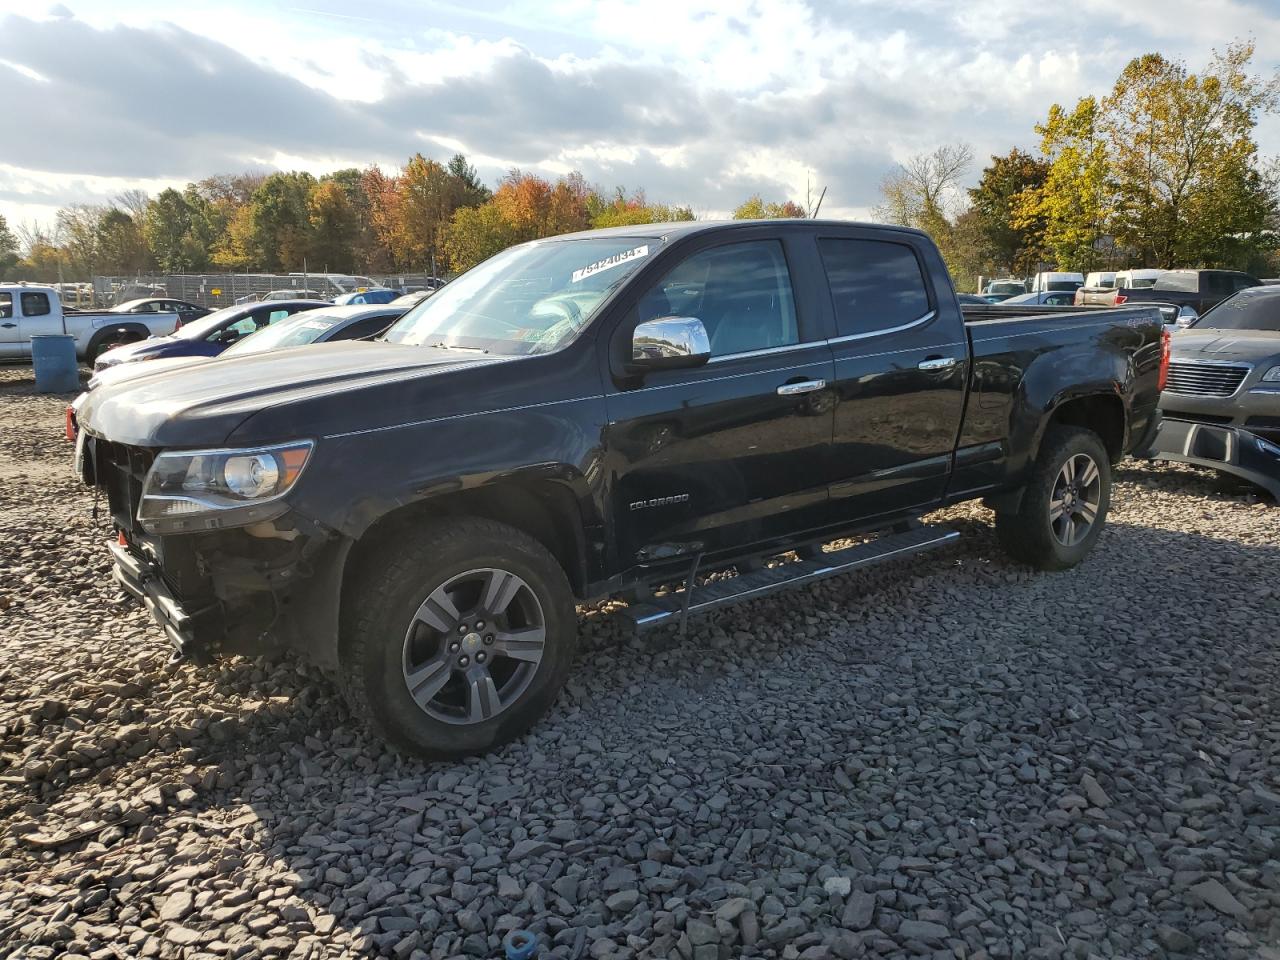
459, 640
1064, 503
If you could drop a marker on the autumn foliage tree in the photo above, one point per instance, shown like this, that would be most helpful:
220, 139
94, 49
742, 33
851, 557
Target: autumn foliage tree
755, 208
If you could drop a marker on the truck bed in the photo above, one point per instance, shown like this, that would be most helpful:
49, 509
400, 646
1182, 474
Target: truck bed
973, 313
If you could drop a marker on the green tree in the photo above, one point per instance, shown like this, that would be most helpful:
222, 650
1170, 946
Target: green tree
755, 208
1075, 202
1188, 186
8, 248
167, 224
335, 228
1009, 244
471, 192
273, 231
477, 233
120, 246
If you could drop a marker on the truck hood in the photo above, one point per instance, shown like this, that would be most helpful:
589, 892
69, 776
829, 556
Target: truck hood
1204, 343
203, 403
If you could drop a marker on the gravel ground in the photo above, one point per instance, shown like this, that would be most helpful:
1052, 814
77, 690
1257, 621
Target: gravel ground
947, 757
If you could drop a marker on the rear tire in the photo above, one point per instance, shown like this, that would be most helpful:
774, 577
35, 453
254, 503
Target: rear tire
1064, 504
459, 640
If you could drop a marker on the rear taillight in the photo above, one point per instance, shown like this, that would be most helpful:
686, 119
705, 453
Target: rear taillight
71, 422
1121, 298
1165, 350
178, 325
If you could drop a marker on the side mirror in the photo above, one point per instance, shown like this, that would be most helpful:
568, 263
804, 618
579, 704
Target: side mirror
1187, 316
669, 343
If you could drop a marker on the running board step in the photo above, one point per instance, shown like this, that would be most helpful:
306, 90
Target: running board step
668, 609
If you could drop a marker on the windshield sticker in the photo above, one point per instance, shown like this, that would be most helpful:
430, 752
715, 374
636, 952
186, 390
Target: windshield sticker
608, 263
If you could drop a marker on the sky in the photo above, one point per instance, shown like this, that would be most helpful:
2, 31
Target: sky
700, 102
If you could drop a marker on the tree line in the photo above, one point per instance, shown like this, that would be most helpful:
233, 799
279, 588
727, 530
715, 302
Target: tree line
427, 216
1164, 171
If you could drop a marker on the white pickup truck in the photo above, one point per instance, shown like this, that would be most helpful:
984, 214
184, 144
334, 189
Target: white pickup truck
28, 310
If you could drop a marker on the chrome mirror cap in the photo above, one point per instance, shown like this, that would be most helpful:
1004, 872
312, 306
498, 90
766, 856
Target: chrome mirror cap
670, 342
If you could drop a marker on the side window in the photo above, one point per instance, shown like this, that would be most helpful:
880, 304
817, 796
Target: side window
741, 292
35, 304
1241, 281
6, 306
875, 284
272, 317
1219, 284
366, 327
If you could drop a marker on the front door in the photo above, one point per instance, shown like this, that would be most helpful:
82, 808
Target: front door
37, 316
901, 362
729, 453
10, 336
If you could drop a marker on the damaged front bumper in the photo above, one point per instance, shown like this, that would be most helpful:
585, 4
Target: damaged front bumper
1230, 449
143, 580
237, 591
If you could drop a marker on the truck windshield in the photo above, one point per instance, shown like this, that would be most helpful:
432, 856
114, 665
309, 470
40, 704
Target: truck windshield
207, 324
1257, 308
529, 299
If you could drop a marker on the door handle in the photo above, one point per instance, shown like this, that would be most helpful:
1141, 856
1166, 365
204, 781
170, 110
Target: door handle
937, 363
8, 326
804, 386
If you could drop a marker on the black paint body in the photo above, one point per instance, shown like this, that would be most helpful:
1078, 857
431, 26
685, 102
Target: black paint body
624, 477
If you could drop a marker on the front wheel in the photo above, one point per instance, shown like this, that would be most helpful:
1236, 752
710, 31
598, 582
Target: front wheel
459, 640
1064, 503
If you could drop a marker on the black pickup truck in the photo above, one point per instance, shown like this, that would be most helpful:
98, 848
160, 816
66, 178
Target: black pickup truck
599, 415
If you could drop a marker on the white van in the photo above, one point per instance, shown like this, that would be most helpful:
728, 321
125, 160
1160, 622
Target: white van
1101, 280
1049, 282
1137, 279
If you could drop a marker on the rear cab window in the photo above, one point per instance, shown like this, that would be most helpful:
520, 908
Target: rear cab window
876, 285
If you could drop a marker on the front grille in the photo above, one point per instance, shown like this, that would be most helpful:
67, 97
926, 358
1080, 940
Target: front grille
118, 471
1205, 379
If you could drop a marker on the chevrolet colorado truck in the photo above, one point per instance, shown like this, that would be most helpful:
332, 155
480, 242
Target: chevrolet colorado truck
28, 310
614, 413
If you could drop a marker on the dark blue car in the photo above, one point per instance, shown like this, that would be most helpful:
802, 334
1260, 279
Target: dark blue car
208, 336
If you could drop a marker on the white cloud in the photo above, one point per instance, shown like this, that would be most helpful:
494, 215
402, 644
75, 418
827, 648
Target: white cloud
699, 101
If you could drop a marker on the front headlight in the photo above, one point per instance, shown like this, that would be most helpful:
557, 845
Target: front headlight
1272, 375
193, 490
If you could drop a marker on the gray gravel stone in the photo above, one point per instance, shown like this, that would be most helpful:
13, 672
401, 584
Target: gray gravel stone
936, 732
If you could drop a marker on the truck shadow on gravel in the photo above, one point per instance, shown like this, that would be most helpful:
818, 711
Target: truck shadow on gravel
991, 757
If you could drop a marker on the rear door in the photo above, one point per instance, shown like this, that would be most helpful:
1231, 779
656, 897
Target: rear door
901, 364
732, 452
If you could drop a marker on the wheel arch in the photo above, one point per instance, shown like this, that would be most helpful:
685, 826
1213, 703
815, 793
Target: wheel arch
1103, 413
132, 330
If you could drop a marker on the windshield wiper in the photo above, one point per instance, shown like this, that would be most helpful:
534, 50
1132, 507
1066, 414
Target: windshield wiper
454, 346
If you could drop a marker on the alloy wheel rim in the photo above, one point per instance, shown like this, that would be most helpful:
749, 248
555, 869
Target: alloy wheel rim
473, 646
1075, 500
